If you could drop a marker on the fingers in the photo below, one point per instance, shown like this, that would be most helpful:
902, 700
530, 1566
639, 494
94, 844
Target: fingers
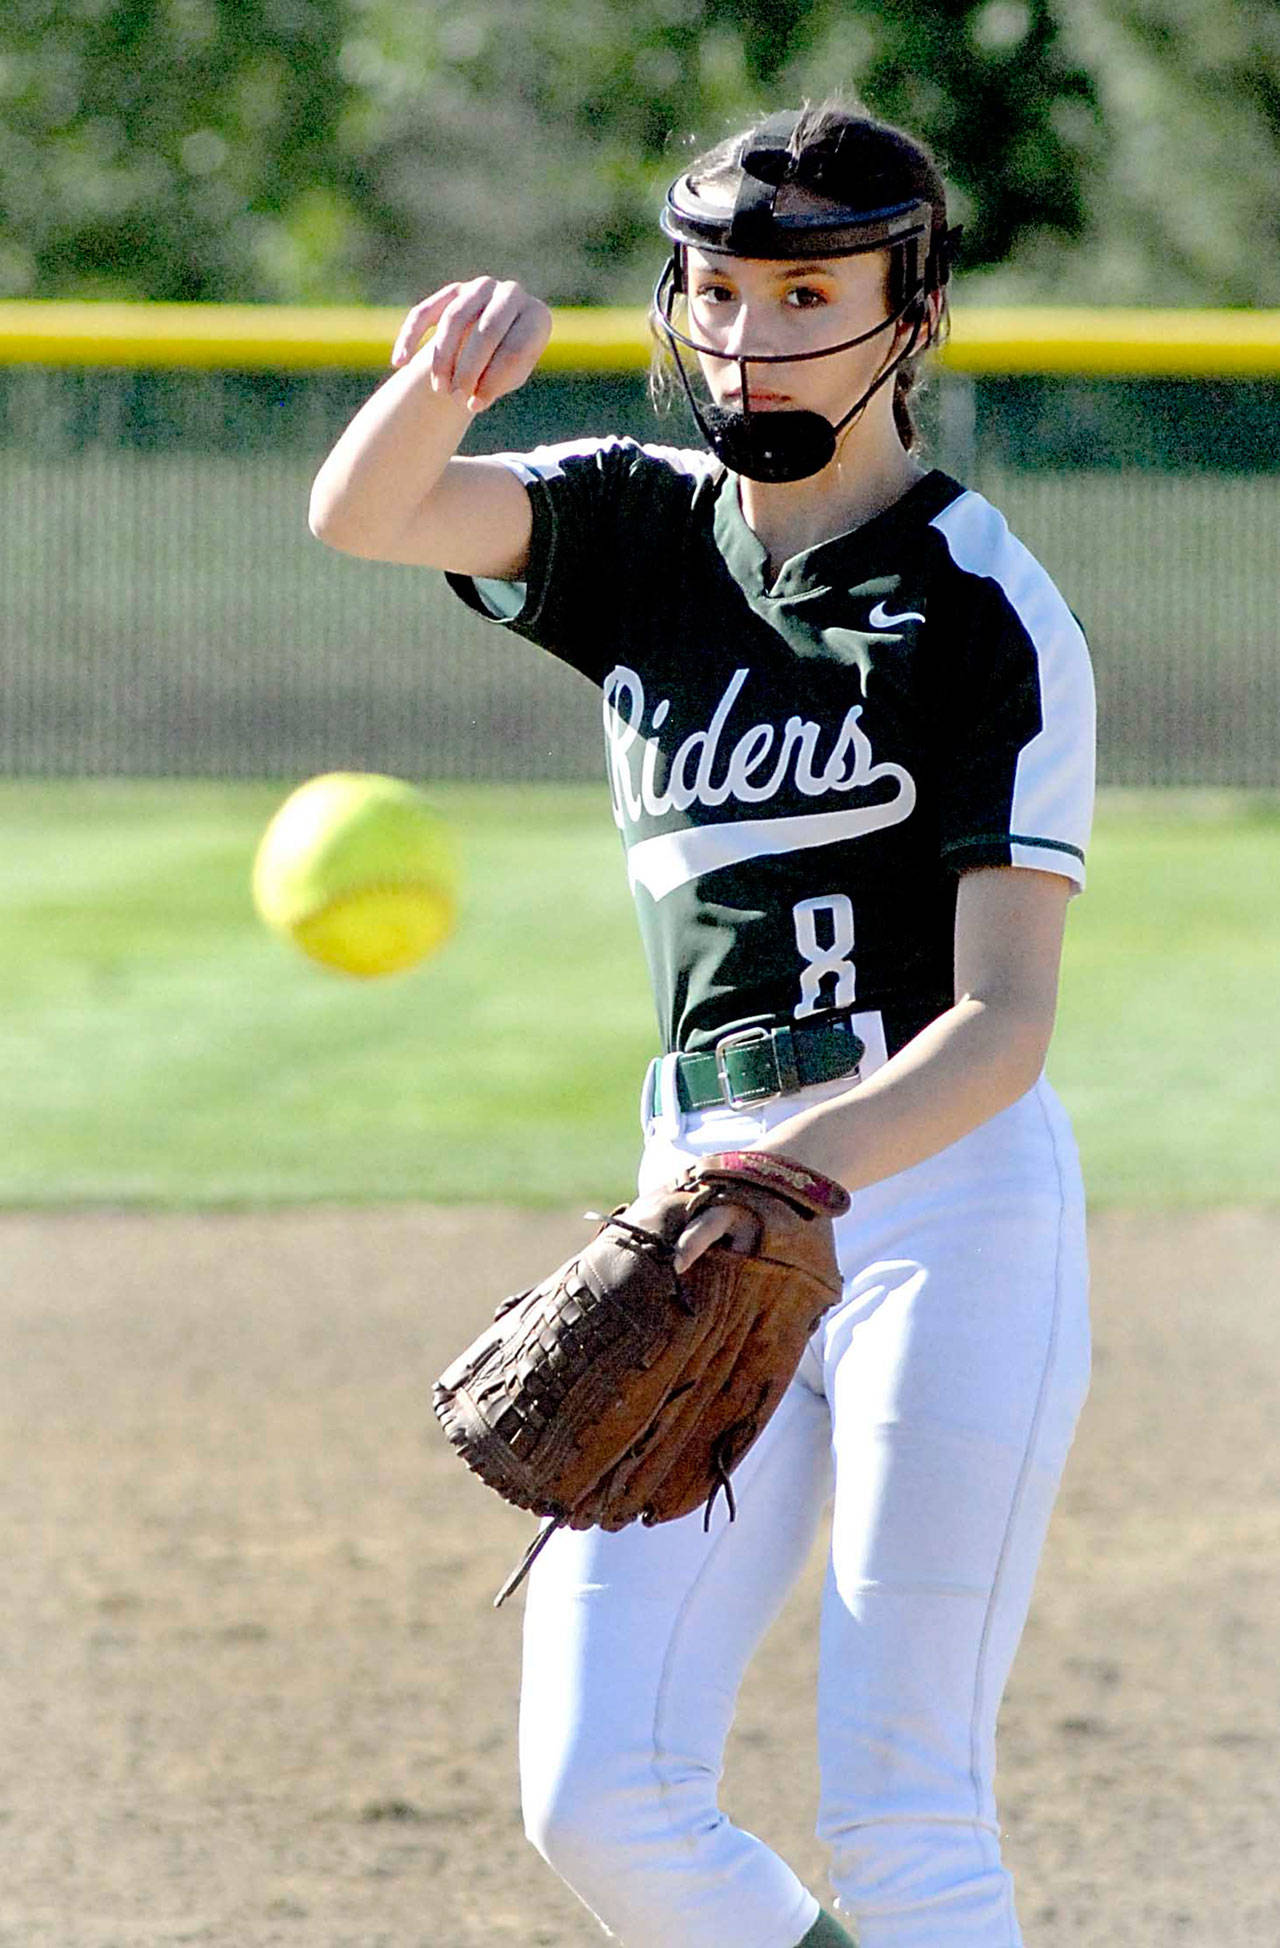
457, 321
488, 338
502, 346
723, 1223
418, 323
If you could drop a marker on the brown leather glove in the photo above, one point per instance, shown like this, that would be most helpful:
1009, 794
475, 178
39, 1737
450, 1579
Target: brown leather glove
618, 1390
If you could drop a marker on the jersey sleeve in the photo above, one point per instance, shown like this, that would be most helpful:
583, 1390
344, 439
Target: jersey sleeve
596, 506
1017, 749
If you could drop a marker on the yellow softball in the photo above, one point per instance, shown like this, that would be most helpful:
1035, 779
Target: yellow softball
358, 871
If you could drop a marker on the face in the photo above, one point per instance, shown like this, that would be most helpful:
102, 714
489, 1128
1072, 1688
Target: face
748, 305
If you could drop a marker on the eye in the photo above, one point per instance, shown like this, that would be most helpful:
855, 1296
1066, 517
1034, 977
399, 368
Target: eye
805, 297
713, 294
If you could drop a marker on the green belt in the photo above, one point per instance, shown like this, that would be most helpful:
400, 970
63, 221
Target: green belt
753, 1065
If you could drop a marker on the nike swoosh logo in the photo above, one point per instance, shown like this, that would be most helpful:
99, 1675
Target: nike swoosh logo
881, 619
672, 859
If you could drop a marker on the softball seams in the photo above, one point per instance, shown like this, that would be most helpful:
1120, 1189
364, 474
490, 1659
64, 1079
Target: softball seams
372, 888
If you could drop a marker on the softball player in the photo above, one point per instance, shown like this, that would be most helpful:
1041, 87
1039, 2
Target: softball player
849, 735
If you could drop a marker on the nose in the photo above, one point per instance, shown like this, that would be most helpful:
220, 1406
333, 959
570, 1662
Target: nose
742, 338
738, 338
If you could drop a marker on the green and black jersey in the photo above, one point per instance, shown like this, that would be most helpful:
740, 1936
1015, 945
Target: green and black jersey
801, 768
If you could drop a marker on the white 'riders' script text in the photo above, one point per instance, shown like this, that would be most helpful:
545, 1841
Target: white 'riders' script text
761, 762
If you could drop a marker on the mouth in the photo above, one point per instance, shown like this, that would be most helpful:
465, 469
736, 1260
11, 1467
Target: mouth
756, 400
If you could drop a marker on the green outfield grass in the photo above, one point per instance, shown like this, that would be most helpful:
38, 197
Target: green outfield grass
158, 1047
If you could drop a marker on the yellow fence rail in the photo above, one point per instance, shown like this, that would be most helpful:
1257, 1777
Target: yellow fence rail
995, 340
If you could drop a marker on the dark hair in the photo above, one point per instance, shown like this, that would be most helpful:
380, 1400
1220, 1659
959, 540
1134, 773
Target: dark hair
872, 164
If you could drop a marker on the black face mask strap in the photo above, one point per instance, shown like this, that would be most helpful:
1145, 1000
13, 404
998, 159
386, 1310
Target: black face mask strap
890, 370
751, 224
765, 166
674, 272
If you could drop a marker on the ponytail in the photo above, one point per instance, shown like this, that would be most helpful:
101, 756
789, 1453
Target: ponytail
904, 419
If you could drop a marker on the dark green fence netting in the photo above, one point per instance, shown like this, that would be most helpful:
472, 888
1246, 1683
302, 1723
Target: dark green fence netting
164, 611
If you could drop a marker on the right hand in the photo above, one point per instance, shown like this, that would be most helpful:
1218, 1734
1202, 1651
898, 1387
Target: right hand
489, 335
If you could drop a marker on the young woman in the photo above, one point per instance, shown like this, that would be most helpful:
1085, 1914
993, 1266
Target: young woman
849, 738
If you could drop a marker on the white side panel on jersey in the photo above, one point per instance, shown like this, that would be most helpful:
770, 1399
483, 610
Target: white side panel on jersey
1053, 785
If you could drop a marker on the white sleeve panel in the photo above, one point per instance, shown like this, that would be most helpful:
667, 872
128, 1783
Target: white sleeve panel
545, 462
1052, 808
503, 600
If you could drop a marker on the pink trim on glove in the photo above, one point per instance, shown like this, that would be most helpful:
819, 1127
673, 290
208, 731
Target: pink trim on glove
781, 1174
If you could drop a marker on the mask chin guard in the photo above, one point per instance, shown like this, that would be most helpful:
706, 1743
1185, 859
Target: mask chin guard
773, 447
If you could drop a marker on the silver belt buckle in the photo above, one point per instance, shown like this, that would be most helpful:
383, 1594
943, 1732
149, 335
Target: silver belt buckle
738, 1039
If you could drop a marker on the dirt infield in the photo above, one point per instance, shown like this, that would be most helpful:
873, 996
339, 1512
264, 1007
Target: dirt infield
254, 1692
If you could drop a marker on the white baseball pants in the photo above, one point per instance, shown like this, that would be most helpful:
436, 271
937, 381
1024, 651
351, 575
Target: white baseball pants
934, 1408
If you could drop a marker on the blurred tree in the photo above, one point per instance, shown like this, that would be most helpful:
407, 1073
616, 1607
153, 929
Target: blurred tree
173, 149
329, 149
536, 135
1187, 211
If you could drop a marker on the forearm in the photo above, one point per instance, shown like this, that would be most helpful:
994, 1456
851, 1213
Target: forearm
966, 1066
371, 487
